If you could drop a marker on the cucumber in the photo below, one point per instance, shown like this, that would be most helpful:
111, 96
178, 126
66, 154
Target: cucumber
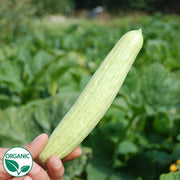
95, 99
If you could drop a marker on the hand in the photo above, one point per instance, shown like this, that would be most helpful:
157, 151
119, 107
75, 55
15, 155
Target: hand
54, 169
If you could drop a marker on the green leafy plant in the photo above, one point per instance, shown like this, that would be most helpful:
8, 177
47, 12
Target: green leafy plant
15, 17
170, 176
43, 72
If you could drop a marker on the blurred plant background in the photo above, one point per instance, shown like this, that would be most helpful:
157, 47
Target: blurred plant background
48, 52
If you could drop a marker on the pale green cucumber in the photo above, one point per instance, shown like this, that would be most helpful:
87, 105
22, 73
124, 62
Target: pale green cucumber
95, 99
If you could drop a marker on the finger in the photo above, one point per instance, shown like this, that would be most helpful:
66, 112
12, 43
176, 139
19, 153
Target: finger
37, 145
23, 178
3, 174
55, 168
38, 173
73, 155
2, 152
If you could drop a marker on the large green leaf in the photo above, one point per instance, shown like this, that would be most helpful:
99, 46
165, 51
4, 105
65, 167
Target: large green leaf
170, 176
17, 126
142, 166
96, 172
75, 168
99, 165
155, 87
121, 176
160, 88
126, 147
27, 121
10, 75
40, 60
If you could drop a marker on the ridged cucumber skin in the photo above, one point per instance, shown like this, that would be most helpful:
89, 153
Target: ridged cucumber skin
95, 99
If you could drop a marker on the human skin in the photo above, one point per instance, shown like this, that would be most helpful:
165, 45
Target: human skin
53, 170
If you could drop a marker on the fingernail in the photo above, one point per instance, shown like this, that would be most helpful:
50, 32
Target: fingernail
37, 138
79, 150
57, 164
27, 178
35, 169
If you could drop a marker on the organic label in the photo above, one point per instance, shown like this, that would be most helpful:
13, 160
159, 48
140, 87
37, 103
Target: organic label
17, 161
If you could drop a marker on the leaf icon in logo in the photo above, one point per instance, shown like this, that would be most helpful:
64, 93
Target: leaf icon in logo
25, 168
11, 165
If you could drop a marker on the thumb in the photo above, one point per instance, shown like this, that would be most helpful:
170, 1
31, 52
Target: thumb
37, 145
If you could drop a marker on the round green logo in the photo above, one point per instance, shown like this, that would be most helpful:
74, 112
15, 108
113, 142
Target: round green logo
17, 161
